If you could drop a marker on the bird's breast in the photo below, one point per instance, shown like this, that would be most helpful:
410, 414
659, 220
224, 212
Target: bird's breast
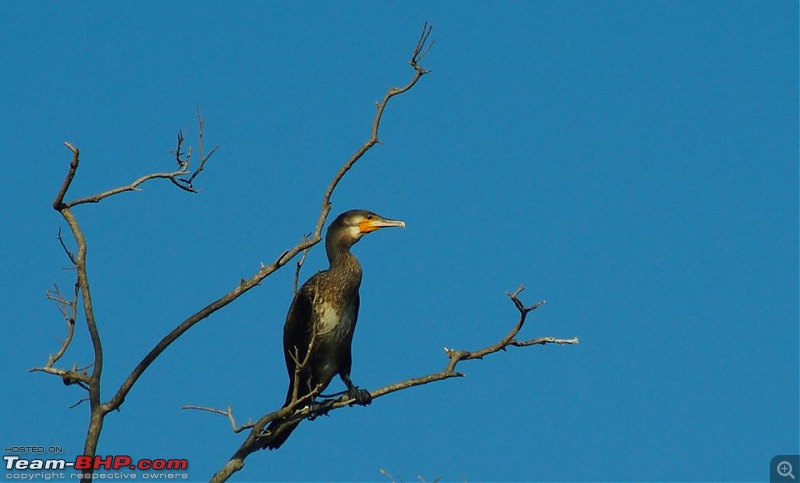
335, 321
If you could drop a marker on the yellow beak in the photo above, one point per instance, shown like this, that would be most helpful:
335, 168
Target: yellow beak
376, 223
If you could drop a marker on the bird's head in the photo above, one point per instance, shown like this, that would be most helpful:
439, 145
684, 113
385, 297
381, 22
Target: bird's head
351, 225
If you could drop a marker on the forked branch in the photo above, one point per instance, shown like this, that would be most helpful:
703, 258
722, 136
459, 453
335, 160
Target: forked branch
86, 378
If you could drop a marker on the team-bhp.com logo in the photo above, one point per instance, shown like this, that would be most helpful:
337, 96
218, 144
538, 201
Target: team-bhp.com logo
94, 463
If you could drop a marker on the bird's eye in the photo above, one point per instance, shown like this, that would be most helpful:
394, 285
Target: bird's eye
369, 217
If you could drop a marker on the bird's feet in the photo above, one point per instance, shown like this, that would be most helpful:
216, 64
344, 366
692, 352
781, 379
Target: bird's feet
362, 396
317, 409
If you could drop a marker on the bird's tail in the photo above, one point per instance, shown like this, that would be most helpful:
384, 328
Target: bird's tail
281, 431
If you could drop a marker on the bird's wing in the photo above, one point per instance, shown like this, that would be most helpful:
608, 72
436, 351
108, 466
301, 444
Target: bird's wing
346, 355
357, 304
297, 333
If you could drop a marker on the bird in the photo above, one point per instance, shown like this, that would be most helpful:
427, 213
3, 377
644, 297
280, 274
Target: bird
319, 327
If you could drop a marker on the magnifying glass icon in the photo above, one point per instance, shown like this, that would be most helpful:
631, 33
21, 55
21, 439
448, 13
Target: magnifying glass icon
785, 469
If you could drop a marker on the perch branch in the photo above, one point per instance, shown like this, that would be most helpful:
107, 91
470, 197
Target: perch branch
258, 438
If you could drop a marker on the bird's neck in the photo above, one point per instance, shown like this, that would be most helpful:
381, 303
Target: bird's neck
345, 265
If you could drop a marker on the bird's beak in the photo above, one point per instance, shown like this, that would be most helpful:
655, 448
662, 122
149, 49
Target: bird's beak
367, 226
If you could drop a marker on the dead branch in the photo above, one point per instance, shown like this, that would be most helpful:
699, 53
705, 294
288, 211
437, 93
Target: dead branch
228, 413
184, 180
81, 400
246, 284
203, 156
66, 250
69, 310
174, 176
258, 438
255, 441
83, 378
299, 407
73, 167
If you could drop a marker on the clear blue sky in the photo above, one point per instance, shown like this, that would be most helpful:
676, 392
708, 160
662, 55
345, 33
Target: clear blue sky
634, 163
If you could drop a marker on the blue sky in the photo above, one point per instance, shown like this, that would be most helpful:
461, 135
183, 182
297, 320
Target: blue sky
634, 163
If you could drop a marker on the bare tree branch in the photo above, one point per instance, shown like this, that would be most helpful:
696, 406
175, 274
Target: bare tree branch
228, 413
134, 186
266, 270
92, 380
203, 156
299, 408
73, 167
82, 400
83, 378
66, 250
68, 309
174, 176
258, 438
254, 440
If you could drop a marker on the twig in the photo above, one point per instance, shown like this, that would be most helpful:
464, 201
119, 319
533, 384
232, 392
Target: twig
68, 309
421, 50
228, 413
183, 164
203, 157
300, 265
64, 246
79, 402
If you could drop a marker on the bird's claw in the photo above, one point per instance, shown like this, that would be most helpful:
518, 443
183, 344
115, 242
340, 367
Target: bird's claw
362, 396
317, 409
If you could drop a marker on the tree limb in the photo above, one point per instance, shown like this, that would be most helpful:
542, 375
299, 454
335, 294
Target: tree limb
266, 270
91, 381
253, 441
258, 437
184, 180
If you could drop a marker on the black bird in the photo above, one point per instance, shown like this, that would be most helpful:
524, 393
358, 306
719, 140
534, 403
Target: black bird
323, 317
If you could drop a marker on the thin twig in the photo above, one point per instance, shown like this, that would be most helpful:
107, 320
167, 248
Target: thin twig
68, 309
421, 49
79, 402
228, 413
300, 263
203, 157
64, 246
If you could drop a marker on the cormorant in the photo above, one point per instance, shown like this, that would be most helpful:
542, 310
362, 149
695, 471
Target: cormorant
323, 316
